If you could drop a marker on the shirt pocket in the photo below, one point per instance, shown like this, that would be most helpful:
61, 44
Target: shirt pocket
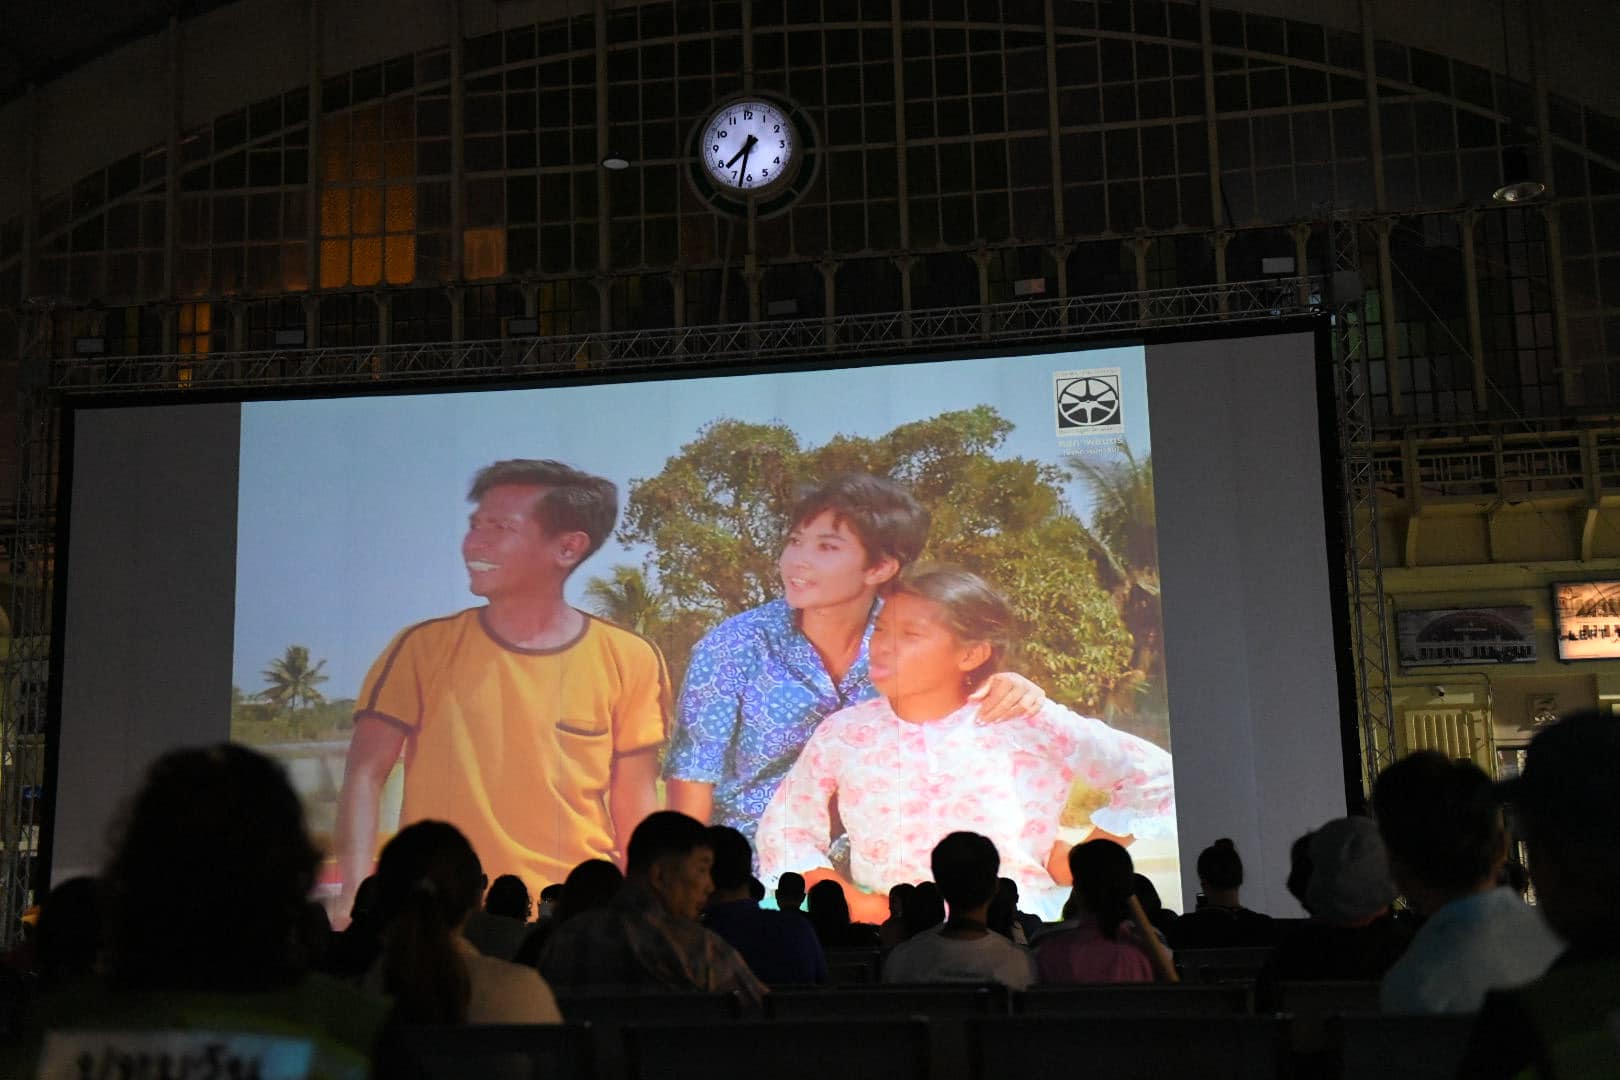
583, 728
584, 753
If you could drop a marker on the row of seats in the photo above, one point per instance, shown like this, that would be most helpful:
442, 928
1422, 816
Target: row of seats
856, 1002
863, 967
1127, 1047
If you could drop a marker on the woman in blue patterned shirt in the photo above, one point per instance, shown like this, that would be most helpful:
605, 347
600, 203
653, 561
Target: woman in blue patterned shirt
759, 683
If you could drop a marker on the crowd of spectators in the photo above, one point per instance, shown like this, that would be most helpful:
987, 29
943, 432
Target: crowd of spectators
431, 941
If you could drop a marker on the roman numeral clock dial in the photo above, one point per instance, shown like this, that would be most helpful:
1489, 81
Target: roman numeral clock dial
749, 150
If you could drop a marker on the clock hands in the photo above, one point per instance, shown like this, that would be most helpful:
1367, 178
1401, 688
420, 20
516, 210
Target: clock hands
742, 152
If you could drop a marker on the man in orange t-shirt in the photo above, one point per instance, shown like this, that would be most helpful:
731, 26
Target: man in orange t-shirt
529, 725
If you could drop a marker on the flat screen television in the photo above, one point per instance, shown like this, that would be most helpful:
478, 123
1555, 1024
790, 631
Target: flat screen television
1586, 619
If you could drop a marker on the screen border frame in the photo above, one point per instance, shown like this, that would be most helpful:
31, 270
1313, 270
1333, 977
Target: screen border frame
1318, 325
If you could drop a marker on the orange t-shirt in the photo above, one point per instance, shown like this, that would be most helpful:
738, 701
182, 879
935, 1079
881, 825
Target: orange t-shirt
515, 746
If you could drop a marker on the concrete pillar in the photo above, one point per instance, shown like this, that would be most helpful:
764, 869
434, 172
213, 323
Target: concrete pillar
1212, 141
317, 173
458, 163
1053, 128
981, 259
1375, 129
603, 284
904, 263
829, 299
1301, 234
1140, 246
385, 320
1219, 240
677, 285
171, 184
902, 186
1466, 223
1569, 366
604, 193
1394, 364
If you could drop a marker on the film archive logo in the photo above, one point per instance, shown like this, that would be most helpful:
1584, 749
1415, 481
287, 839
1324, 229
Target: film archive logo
1088, 402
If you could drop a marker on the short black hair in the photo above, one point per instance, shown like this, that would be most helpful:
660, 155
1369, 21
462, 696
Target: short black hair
1219, 865
1568, 789
965, 866
663, 833
1438, 817
790, 884
733, 858
571, 500
889, 522
508, 896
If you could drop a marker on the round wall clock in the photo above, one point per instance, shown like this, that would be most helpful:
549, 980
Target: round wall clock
749, 147
752, 149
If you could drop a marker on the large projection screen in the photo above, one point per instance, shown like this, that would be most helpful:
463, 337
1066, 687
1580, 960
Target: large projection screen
1153, 516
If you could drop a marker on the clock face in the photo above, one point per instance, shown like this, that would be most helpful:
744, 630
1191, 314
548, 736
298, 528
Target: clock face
748, 147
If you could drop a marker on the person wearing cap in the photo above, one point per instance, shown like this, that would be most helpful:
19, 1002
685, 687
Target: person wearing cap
1351, 934
1565, 1024
1446, 845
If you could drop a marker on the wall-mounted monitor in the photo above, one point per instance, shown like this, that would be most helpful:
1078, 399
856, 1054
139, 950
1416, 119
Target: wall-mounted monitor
1448, 637
1586, 618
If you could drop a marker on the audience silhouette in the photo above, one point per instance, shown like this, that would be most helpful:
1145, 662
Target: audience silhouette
924, 910
893, 929
1111, 939
780, 949
1221, 921
648, 935
203, 899
963, 949
790, 892
429, 881
1562, 1025
236, 949
590, 885
1446, 846
1352, 933
500, 929
828, 909
68, 939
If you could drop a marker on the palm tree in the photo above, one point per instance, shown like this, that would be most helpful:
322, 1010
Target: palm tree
627, 601
292, 680
1125, 547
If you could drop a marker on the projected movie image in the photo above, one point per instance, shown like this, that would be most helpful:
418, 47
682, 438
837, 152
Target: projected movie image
845, 611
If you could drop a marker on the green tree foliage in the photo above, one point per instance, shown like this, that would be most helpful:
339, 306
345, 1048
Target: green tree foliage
1124, 546
713, 516
714, 519
626, 599
292, 680
256, 722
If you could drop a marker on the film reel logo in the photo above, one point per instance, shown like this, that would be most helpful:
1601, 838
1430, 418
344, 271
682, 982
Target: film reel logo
1088, 402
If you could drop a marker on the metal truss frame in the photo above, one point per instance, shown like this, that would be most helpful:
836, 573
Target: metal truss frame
29, 547
684, 347
30, 544
1363, 561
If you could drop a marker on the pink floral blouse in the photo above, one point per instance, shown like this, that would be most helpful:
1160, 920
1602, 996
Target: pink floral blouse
901, 787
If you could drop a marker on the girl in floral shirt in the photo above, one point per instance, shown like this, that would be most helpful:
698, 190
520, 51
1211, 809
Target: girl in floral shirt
912, 765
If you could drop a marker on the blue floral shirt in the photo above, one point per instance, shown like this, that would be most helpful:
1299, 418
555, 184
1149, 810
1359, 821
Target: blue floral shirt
755, 691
